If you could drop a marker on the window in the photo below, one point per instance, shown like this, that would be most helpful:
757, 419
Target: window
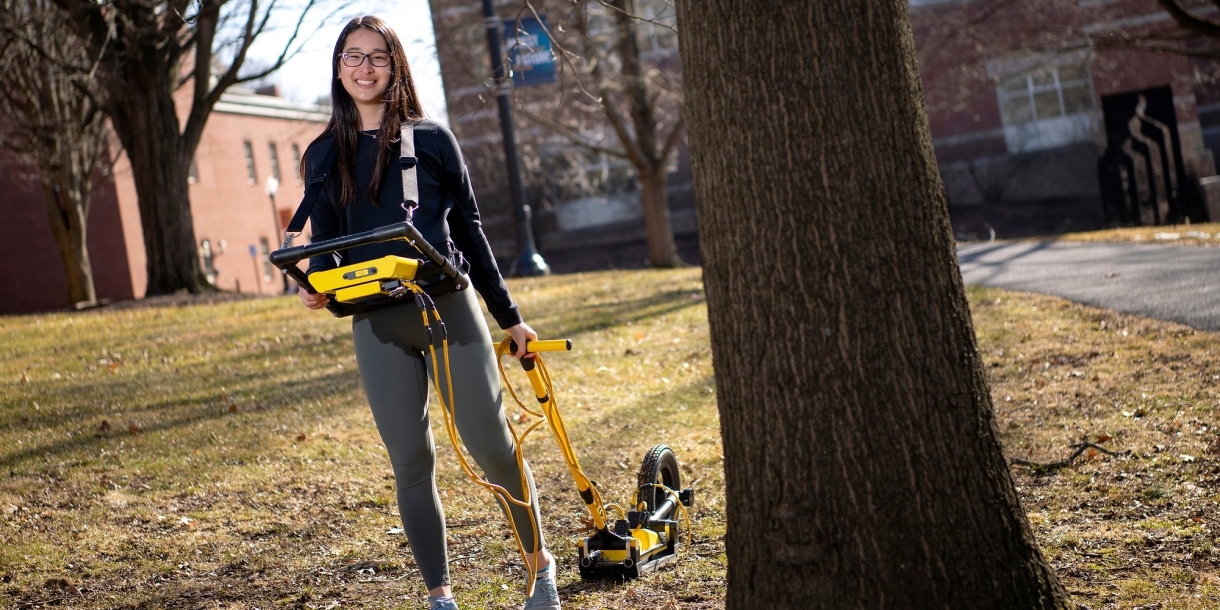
192, 172
265, 250
275, 161
250, 163
296, 162
1046, 93
1046, 101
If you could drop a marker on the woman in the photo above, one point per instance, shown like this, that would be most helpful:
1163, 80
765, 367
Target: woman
372, 95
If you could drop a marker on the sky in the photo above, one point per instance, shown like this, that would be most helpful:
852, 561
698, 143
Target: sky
307, 76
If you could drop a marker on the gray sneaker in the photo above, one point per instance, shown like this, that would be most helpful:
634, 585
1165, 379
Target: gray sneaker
546, 596
442, 603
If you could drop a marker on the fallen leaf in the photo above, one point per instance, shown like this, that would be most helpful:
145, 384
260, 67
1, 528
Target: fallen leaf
1104, 437
134, 427
105, 426
301, 437
232, 408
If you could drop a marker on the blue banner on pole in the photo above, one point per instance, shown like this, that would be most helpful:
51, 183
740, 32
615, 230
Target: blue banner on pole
529, 51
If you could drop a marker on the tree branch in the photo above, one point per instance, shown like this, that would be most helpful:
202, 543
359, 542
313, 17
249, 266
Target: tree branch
571, 135
1190, 21
644, 19
1064, 463
672, 140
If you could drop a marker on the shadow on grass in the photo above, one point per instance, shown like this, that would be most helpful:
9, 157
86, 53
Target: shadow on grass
82, 397
197, 411
600, 316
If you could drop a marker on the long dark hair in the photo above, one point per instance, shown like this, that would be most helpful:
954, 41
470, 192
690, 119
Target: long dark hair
401, 103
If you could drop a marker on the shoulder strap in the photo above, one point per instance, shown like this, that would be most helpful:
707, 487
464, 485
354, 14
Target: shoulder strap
314, 187
408, 162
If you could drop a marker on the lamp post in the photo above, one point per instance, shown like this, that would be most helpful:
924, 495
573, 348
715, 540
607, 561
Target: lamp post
273, 185
529, 262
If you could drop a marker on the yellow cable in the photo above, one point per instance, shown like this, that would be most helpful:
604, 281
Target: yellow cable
501, 494
681, 507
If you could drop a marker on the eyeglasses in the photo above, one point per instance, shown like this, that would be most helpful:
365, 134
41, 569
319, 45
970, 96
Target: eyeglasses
353, 60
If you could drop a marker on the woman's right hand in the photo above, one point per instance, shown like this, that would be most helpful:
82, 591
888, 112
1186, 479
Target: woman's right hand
313, 301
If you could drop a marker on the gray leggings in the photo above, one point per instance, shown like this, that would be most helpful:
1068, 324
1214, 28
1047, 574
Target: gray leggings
392, 351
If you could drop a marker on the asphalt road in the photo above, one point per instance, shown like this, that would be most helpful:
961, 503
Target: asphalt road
1178, 283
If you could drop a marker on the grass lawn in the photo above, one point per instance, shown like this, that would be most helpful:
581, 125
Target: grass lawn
1177, 235
223, 456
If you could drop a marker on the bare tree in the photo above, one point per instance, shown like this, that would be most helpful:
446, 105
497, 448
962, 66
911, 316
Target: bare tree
147, 50
862, 464
616, 100
51, 117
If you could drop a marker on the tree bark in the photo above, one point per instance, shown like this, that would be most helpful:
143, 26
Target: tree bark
69, 217
658, 231
862, 463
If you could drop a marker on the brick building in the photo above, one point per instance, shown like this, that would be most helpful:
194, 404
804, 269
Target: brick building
586, 205
249, 139
1022, 99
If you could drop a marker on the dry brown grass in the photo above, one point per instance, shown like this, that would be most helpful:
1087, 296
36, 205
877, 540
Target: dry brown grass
1177, 235
252, 475
255, 477
1123, 532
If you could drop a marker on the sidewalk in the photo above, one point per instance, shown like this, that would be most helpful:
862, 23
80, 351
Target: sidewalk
1176, 283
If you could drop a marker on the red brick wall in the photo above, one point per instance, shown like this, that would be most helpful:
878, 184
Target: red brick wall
226, 209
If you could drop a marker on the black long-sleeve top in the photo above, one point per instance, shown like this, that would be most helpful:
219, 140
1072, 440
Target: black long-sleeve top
447, 210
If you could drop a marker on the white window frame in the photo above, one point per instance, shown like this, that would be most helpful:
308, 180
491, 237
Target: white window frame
1045, 133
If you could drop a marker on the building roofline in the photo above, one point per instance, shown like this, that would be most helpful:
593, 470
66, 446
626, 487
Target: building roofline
251, 104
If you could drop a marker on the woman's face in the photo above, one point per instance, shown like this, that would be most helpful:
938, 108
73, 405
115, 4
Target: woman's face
366, 83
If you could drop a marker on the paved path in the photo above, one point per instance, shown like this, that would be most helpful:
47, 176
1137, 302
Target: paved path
1178, 283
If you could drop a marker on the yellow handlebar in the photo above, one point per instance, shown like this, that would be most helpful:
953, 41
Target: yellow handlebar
551, 345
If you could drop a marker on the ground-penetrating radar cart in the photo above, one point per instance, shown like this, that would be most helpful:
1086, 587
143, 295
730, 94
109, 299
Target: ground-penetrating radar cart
638, 539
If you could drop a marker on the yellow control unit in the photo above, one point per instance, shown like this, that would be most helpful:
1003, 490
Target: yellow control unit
362, 281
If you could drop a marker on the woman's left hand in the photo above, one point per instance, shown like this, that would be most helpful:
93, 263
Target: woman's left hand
522, 333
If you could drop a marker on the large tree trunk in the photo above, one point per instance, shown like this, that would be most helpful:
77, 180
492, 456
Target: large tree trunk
862, 463
654, 187
147, 125
69, 221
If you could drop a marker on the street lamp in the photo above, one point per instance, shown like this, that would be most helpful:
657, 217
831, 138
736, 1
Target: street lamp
273, 185
529, 262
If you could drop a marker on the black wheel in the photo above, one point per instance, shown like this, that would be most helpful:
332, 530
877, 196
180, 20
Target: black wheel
659, 466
